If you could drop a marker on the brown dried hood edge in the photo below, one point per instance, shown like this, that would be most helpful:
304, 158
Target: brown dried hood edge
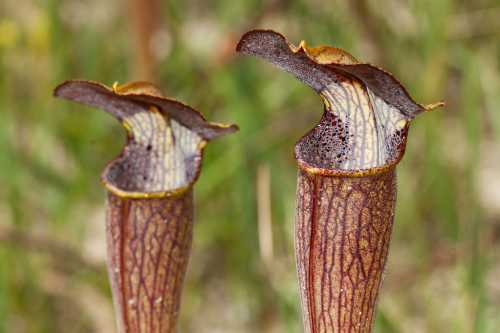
380, 81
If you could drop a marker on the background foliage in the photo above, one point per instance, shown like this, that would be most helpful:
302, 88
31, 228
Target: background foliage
443, 273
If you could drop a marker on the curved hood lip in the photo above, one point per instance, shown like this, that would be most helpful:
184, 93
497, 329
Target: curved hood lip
143, 97
337, 59
146, 93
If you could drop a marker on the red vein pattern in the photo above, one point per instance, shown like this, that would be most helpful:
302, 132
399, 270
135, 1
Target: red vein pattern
342, 233
149, 241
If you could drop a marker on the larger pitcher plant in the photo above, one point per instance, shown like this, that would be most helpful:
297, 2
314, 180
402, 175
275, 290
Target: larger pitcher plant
346, 187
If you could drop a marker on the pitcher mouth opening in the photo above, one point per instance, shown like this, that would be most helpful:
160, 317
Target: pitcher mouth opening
164, 163
337, 147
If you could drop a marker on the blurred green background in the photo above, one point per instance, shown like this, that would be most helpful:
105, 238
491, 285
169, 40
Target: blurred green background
443, 273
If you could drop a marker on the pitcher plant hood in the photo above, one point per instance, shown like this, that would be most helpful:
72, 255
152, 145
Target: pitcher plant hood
165, 138
367, 112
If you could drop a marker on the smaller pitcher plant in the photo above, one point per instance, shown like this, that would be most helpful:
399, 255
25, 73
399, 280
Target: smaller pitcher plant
149, 218
346, 187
